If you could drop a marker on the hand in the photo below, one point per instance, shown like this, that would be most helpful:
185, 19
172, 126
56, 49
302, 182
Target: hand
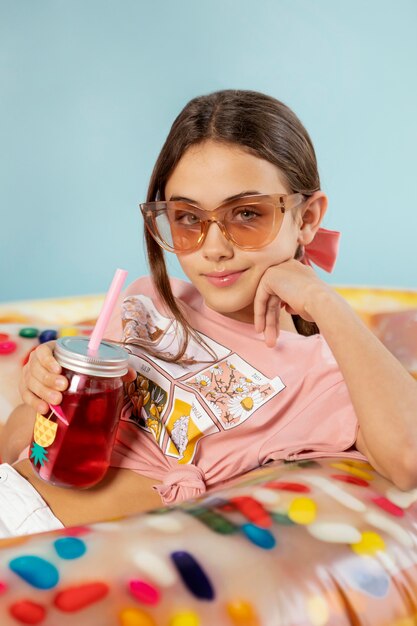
41, 383
291, 285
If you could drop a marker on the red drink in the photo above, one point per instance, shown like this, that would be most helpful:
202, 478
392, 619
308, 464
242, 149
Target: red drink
72, 445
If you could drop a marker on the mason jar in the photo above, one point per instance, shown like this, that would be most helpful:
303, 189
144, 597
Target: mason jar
72, 444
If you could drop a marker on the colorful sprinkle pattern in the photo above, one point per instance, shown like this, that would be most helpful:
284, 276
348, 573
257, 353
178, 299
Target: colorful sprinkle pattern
292, 543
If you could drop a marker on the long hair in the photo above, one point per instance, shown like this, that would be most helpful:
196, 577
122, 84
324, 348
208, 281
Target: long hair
260, 124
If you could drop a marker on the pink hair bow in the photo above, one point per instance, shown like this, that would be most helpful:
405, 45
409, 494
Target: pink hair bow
322, 251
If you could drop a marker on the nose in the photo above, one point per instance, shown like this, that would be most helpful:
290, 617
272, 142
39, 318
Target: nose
216, 246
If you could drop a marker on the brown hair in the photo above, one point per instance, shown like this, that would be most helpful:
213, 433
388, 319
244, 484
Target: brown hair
257, 123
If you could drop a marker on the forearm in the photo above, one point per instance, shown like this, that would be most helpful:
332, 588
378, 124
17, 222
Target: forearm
17, 433
383, 393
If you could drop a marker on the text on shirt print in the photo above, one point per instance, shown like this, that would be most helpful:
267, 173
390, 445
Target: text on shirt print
233, 390
185, 425
147, 398
143, 322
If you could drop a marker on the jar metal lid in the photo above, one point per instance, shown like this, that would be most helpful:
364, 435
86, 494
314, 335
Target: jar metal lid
109, 360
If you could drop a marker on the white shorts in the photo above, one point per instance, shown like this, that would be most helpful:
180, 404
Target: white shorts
22, 509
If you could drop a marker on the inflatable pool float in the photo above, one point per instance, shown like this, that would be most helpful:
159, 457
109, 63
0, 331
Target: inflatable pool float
392, 315
326, 542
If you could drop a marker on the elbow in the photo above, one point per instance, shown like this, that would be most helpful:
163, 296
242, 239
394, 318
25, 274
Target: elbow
406, 476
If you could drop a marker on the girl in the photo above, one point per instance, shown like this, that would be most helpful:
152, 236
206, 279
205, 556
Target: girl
256, 358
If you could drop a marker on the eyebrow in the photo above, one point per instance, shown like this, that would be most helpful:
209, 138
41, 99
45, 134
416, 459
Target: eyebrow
242, 194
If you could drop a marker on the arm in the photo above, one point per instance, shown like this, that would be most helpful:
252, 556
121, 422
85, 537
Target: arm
17, 433
121, 492
383, 393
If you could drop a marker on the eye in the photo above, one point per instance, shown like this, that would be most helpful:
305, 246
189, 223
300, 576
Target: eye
186, 218
245, 214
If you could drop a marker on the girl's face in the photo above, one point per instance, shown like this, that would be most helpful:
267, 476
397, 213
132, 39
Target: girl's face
226, 276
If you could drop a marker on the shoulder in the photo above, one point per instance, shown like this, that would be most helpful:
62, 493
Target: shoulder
140, 286
308, 347
309, 363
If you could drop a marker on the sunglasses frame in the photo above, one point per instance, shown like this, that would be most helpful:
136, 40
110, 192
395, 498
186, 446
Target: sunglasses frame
150, 211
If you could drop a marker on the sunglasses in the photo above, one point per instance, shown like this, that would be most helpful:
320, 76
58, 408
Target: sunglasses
250, 222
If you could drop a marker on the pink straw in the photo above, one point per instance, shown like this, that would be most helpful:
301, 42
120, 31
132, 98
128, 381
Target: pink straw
106, 310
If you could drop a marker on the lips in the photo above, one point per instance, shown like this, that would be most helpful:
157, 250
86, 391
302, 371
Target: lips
223, 279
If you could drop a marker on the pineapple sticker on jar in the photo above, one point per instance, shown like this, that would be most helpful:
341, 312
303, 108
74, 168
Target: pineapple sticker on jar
44, 434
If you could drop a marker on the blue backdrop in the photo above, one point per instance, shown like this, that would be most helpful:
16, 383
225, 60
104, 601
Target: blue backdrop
89, 89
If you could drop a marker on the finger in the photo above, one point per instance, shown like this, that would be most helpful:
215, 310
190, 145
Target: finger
51, 396
38, 386
36, 403
289, 309
37, 380
50, 380
304, 316
259, 309
44, 354
272, 320
38, 396
27, 396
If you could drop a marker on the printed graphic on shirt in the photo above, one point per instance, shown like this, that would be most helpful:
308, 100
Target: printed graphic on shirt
142, 321
233, 390
148, 398
186, 424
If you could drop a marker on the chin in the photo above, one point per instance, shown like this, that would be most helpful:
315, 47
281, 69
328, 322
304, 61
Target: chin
242, 310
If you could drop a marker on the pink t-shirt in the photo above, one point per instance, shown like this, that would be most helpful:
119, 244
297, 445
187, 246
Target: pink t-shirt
201, 422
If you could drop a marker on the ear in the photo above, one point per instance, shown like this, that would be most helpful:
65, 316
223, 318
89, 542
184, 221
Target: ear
312, 213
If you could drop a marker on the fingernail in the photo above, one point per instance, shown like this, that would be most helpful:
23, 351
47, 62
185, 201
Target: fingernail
54, 397
60, 383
